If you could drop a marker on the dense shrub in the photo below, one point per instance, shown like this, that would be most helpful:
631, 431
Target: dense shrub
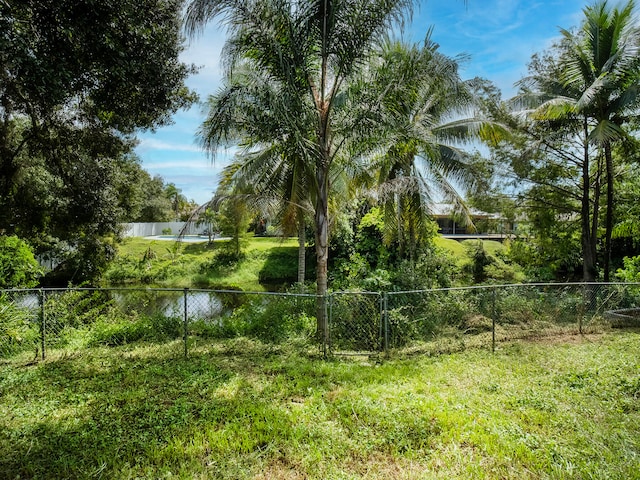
18, 266
630, 271
126, 330
271, 319
281, 265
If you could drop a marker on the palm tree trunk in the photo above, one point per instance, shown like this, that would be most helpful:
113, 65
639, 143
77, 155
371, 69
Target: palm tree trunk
399, 222
322, 255
301, 248
595, 221
588, 241
609, 219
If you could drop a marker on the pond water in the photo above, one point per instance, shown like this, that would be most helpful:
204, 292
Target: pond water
200, 305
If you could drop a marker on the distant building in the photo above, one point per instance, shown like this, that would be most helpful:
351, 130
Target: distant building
487, 225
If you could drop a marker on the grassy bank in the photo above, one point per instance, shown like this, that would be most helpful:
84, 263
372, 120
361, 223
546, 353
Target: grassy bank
171, 264
240, 409
266, 262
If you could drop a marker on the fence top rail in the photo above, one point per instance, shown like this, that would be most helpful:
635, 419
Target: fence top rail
516, 285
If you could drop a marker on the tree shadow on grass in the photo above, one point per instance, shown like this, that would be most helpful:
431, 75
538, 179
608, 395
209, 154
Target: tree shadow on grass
118, 414
84, 416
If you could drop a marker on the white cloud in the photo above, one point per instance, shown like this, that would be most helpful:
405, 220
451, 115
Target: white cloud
147, 143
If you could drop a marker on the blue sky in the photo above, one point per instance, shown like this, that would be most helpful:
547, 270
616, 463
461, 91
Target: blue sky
499, 35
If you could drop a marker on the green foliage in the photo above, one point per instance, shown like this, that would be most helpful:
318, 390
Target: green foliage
209, 218
76, 308
155, 206
369, 242
19, 330
479, 260
79, 78
223, 260
271, 319
280, 266
18, 266
356, 322
630, 271
484, 266
234, 219
547, 259
113, 332
434, 268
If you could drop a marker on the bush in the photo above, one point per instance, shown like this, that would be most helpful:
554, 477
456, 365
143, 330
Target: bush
18, 266
223, 259
126, 330
271, 319
281, 265
76, 308
631, 270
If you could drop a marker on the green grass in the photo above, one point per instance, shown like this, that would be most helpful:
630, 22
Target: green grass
459, 250
244, 410
168, 264
171, 264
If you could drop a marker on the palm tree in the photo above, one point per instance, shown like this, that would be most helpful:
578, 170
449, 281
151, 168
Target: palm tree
309, 48
272, 169
544, 112
603, 63
176, 198
591, 90
422, 121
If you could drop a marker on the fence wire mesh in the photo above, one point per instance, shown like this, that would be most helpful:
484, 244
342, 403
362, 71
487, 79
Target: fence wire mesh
356, 323
459, 318
38, 324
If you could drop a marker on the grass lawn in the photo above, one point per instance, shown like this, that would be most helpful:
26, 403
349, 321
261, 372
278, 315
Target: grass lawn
459, 250
170, 264
240, 409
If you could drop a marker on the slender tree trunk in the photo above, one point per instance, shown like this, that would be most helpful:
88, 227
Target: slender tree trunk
301, 248
588, 241
322, 253
412, 241
399, 206
595, 222
609, 219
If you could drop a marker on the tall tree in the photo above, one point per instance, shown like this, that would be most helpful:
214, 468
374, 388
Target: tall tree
272, 169
589, 90
311, 48
603, 63
553, 152
78, 79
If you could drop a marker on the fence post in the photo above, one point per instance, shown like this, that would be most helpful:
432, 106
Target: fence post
493, 320
186, 322
42, 323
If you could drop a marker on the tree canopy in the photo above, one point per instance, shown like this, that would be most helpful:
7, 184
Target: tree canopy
78, 79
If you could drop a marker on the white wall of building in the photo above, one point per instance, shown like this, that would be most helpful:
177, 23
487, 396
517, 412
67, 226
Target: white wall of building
156, 228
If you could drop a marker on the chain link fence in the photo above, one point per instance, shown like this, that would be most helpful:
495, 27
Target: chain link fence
43, 323
459, 318
356, 322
